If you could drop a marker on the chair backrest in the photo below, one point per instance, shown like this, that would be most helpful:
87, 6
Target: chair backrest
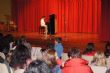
41, 29
88, 58
98, 69
4, 66
36, 53
64, 58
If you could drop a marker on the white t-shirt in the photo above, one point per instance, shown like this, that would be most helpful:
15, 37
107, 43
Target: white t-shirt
42, 22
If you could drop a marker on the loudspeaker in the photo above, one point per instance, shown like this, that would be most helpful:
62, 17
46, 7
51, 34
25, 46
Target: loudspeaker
51, 27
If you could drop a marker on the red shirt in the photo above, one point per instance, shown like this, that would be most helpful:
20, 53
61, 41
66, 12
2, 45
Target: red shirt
76, 65
92, 53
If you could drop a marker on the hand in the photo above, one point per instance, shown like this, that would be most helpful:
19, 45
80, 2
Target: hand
56, 56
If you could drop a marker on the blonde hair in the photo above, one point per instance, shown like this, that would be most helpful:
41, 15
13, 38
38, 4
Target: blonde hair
99, 59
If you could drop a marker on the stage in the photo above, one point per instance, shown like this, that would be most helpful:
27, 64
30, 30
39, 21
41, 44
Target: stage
68, 39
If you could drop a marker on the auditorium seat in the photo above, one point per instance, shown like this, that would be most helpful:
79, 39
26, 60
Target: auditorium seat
98, 69
41, 30
36, 53
2, 55
88, 58
64, 58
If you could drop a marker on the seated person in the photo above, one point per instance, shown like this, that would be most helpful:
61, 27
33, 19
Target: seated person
99, 59
75, 64
90, 50
107, 50
53, 61
107, 54
20, 59
38, 66
43, 24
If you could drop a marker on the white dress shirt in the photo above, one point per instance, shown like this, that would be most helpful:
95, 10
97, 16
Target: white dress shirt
43, 22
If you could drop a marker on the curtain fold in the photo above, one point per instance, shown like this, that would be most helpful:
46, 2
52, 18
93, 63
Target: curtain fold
76, 16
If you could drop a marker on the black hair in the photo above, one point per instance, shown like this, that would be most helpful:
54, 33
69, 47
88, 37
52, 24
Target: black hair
58, 39
38, 66
74, 53
89, 48
6, 41
20, 56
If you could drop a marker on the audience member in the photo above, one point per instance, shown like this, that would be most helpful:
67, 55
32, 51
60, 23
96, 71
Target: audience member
20, 59
90, 50
107, 54
99, 59
75, 64
52, 61
38, 66
24, 41
107, 50
58, 47
6, 43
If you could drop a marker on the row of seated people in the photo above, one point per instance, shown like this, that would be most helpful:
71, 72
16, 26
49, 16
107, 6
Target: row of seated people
21, 61
22, 56
99, 61
16, 53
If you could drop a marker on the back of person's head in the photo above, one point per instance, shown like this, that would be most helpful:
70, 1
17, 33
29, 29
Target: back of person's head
20, 56
58, 39
99, 59
90, 47
107, 49
51, 58
9, 38
43, 50
22, 39
6, 43
38, 66
74, 53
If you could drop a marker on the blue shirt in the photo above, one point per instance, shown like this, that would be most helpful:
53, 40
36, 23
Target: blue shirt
59, 49
56, 69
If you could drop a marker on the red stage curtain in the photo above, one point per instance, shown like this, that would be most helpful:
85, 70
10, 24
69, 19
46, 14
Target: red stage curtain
71, 15
105, 21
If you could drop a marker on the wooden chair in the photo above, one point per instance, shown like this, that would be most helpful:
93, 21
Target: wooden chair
41, 30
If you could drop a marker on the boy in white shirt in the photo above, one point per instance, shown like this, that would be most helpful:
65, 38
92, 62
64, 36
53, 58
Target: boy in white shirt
44, 25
